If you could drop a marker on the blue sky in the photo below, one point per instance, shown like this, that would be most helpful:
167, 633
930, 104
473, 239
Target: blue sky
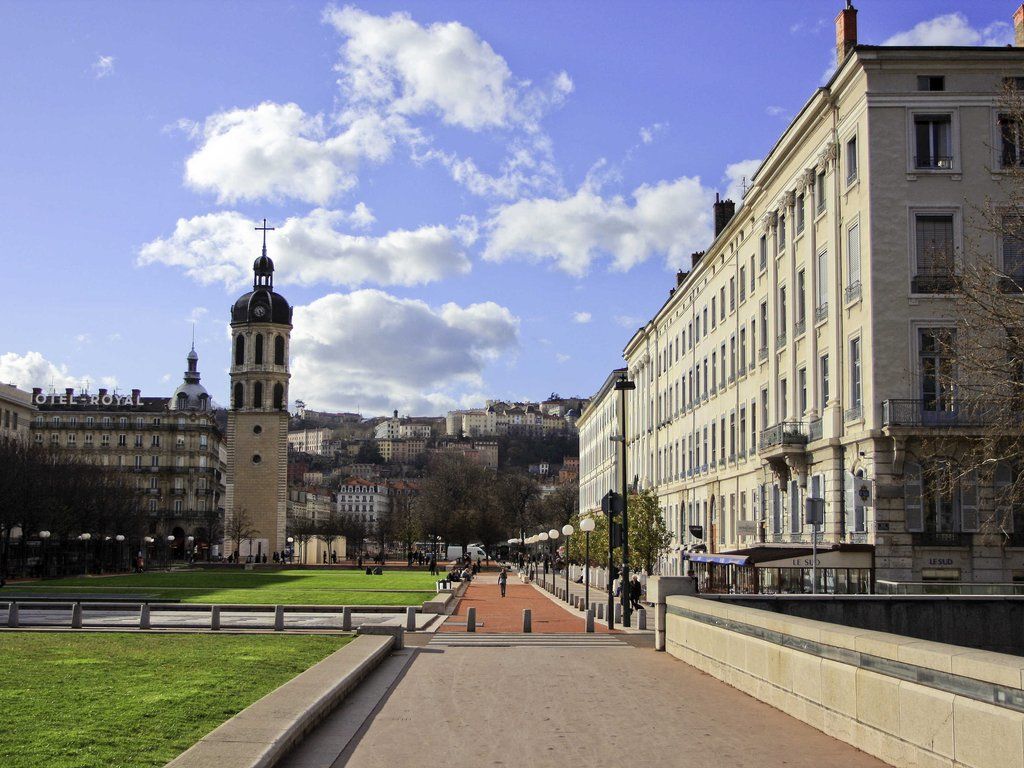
473, 199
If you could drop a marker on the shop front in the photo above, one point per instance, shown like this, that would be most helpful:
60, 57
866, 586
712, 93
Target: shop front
844, 569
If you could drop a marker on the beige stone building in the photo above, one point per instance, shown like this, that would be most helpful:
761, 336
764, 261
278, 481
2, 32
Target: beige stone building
313, 504
257, 435
599, 454
796, 359
317, 441
172, 445
16, 411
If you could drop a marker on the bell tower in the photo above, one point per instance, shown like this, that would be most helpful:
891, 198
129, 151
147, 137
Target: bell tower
257, 438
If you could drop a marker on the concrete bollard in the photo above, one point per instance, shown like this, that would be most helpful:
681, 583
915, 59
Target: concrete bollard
12, 614
76, 616
618, 613
590, 620
600, 611
641, 619
410, 619
278, 618
215, 617
144, 622
471, 620
527, 622
346, 619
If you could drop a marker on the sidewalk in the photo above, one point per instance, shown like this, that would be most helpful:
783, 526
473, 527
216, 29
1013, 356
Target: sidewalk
597, 595
500, 615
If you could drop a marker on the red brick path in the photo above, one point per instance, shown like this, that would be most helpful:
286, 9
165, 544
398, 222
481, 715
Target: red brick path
506, 614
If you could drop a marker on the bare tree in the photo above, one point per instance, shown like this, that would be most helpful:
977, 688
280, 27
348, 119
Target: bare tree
240, 528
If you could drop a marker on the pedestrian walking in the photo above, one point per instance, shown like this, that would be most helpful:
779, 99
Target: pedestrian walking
502, 581
635, 590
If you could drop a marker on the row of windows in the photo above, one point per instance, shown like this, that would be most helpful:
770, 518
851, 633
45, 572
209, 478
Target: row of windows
238, 399
10, 419
106, 421
257, 349
122, 440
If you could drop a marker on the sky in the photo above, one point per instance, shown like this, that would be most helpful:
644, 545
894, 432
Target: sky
472, 200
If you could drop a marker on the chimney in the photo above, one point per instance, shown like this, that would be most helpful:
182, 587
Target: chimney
37, 391
1018, 27
680, 276
396, 413
724, 210
695, 257
135, 395
70, 392
103, 392
846, 32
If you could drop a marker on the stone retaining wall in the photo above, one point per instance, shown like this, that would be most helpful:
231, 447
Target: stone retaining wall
909, 702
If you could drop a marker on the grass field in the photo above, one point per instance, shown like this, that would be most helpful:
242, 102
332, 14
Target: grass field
282, 587
120, 700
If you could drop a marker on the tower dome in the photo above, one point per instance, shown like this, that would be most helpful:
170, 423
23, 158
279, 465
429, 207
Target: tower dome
190, 394
262, 304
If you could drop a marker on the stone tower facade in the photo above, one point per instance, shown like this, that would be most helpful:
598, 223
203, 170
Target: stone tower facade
257, 439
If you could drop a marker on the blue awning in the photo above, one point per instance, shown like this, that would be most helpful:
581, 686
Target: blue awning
700, 557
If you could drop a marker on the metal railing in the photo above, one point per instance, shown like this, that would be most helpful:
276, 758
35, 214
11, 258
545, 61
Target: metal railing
941, 539
853, 292
814, 430
799, 328
821, 312
853, 414
922, 413
947, 588
762, 354
933, 162
933, 282
780, 340
784, 433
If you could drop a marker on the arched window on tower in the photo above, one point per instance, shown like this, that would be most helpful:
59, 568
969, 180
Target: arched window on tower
278, 395
239, 399
279, 350
239, 349
258, 351
257, 395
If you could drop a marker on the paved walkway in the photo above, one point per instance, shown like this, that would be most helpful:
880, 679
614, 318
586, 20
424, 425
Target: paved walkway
500, 615
533, 705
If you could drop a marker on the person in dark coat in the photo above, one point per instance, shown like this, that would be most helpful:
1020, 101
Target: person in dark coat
635, 591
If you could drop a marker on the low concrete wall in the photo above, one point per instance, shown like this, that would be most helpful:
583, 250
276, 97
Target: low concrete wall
906, 701
985, 622
260, 735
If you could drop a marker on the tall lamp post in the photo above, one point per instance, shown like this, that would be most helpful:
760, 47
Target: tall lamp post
587, 524
567, 531
552, 538
120, 550
623, 385
291, 549
170, 553
85, 551
542, 537
45, 536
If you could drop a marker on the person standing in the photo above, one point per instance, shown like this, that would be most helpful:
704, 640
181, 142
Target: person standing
502, 581
635, 591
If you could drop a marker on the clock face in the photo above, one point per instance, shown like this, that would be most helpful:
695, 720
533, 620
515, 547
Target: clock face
259, 311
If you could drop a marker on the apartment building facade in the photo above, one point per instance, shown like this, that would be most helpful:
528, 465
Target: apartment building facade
797, 358
16, 412
599, 454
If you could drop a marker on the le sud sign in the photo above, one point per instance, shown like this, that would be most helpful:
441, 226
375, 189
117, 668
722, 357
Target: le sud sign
119, 401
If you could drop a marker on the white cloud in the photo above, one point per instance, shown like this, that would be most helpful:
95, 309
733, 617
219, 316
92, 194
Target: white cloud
220, 247
561, 357
627, 321
737, 177
671, 218
581, 317
376, 351
103, 67
33, 370
275, 151
953, 29
648, 133
361, 217
394, 64
84, 338
775, 111
197, 314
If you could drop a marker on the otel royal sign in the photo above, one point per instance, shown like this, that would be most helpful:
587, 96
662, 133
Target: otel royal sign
118, 401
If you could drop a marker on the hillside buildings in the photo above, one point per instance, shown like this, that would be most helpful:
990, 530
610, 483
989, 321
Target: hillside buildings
499, 418
798, 357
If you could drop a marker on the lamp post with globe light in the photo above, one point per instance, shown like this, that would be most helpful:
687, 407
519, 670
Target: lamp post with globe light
587, 524
291, 550
567, 531
542, 537
170, 553
84, 538
120, 550
45, 537
552, 538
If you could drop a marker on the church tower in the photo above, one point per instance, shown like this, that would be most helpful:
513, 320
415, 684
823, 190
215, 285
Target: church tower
257, 471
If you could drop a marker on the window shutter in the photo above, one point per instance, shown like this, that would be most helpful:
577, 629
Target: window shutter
1013, 248
776, 509
912, 497
1002, 481
853, 254
969, 502
848, 488
795, 522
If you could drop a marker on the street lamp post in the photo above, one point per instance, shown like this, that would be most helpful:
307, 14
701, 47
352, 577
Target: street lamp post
45, 536
586, 525
120, 550
623, 385
542, 537
170, 554
291, 549
84, 538
552, 538
567, 531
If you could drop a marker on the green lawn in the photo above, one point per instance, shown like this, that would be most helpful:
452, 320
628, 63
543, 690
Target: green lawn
130, 701
283, 587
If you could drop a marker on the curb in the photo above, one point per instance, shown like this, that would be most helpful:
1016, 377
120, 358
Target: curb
261, 734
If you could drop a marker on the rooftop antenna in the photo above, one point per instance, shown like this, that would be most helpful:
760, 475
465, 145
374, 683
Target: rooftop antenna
743, 183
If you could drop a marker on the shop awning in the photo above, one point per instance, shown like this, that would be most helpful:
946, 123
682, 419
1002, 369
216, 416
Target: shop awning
701, 557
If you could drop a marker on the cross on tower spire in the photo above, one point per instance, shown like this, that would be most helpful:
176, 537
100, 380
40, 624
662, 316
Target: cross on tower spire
264, 229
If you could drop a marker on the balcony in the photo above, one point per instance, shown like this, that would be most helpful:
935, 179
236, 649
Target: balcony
780, 340
922, 413
178, 491
743, 370
853, 414
762, 354
814, 430
821, 313
941, 539
933, 282
933, 162
784, 433
799, 328
852, 293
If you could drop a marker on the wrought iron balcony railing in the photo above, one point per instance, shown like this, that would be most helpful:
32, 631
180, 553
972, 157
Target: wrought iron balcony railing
814, 431
784, 433
933, 413
933, 282
853, 292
